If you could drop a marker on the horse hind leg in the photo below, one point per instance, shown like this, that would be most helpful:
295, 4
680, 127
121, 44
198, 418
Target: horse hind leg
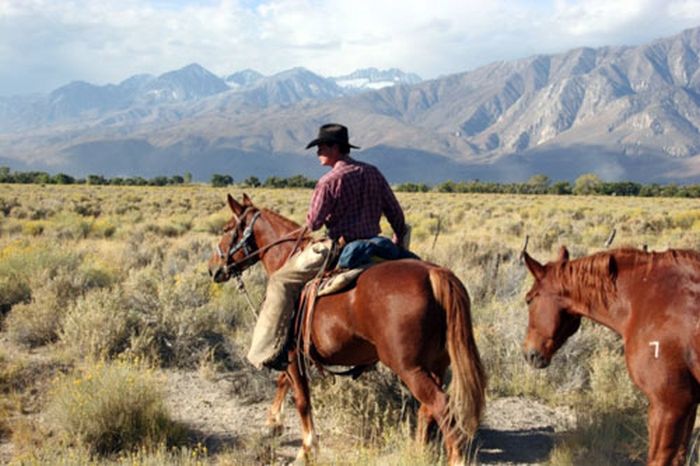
426, 425
275, 414
434, 407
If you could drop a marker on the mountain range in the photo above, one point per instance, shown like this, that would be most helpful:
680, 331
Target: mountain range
625, 113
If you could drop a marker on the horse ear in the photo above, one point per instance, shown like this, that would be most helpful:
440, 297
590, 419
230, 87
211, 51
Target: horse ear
563, 254
535, 268
234, 205
246, 200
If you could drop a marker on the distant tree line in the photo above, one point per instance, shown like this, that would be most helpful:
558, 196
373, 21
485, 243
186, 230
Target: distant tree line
588, 183
39, 177
296, 181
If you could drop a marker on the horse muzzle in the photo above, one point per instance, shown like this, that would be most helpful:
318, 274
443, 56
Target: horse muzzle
536, 359
220, 275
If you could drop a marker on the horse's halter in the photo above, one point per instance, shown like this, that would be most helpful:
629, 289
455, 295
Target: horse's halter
236, 268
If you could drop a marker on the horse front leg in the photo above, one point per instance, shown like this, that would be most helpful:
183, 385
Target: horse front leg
689, 425
274, 415
669, 433
302, 400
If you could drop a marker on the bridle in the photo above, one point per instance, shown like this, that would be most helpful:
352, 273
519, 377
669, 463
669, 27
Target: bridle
236, 268
246, 242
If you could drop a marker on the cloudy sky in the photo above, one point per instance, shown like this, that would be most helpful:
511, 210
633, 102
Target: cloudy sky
47, 43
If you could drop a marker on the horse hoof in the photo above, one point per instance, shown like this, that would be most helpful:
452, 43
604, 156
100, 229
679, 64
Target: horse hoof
275, 430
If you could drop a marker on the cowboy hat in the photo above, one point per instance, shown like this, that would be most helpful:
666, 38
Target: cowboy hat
331, 133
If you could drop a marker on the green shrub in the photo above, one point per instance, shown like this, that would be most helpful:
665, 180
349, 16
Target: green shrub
97, 274
34, 228
37, 322
35, 261
112, 407
175, 322
97, 325
13, 290
70, 225
141, 250
213, 223
102, 228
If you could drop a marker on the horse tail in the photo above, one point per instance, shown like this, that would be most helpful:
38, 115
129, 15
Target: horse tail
467, 388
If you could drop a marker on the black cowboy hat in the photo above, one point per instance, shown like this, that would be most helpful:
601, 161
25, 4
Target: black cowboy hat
331, 133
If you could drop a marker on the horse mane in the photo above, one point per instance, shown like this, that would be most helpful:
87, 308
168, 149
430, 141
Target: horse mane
279, 218
593, 278
587, 279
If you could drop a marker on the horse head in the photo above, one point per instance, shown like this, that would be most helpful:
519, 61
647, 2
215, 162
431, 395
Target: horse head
237, 249
550, 322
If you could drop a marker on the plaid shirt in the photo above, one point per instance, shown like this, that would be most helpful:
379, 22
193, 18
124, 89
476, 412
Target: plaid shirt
350, 200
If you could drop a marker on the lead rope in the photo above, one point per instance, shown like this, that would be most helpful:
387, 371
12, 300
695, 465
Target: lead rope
241, 287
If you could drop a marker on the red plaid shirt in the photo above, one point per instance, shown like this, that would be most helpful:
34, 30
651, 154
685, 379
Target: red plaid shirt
350, 200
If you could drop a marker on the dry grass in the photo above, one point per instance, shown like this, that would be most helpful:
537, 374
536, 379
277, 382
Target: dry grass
104, 272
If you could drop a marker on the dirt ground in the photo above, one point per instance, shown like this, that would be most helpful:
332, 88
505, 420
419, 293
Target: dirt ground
224, 410
516, 430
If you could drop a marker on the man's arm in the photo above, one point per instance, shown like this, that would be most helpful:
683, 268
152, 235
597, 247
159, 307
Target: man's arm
393, 212
321, 205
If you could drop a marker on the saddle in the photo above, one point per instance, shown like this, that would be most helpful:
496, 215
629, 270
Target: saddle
329, 282
343, 266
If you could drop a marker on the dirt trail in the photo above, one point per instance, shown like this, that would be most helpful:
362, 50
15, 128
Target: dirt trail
515, 431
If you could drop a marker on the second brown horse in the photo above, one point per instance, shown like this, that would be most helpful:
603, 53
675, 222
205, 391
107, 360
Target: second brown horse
653, 301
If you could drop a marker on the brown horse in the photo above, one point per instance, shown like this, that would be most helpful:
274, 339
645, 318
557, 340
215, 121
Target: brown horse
653, 301
412, 316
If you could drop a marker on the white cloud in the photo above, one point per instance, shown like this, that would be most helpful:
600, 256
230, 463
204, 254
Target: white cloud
46, 43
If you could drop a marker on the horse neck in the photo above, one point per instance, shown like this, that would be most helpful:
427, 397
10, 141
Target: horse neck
272, 228
593, 292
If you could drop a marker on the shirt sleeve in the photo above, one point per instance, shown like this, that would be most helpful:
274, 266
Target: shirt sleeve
322, 203
392, 210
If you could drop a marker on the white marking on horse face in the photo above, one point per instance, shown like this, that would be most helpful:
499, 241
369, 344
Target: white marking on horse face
656, 346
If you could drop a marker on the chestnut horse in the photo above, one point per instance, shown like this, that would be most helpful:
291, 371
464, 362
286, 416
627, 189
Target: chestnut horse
411, 315
653, 301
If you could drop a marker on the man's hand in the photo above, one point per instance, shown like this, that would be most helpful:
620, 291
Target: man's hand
405, 240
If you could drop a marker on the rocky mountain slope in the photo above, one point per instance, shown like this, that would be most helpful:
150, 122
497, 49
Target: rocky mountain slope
623, 112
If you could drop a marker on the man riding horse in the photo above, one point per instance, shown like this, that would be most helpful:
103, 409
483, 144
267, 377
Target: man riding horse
349, 200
